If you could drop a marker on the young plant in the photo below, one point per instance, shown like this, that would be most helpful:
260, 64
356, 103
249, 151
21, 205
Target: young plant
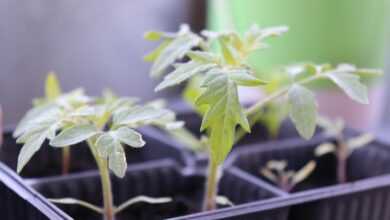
221, 59
276, 171
343, 148
108, 126
52, 94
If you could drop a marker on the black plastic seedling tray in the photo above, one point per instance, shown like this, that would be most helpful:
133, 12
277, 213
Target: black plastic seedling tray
365, 196
18, 201
160, 179
47, 161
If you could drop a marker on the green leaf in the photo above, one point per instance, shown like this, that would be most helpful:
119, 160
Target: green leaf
203, 57
152, 56
303, 110
117, 161
223, 114
230, 54
52, 87
173, 51
183, 72
351, 85
105, 144
153, 35
74, 135
139, 115
129, 137
31, 146
243, 77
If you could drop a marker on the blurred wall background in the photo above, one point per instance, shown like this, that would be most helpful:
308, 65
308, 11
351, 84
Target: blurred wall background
91, 44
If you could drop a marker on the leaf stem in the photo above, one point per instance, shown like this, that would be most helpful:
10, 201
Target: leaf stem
137, 199
108, 209
72, 201
211, 187
65, 160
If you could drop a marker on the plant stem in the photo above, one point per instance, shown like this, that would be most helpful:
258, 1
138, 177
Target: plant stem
211, 187
65, 160
342, 155
108, 208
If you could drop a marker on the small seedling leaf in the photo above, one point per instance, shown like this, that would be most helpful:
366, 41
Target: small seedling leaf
303, 110
52, 87
243, 77
303, 173
74, 135
359, 141
325, 148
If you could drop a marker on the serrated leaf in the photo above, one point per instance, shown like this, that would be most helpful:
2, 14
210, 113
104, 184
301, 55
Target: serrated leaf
324, 148
31, 146
243, 77
223, 114
351, 85
117, 161
183, 72
52, 87
176, 49
129, 137
303, 110
303, 173
74, 135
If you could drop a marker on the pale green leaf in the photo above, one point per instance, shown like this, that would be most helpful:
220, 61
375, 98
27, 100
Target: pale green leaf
117, 161
203, 57
303, 110
175, 50
152, 56
351, 85
325, 148
153, 35
31, 146
105, 144
140, 115
52, 87
223, 114
129, 137
243, 77
183, 72
303, 173
230, 54
74, 135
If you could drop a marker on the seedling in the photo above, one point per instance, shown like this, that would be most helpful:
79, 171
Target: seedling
343, 148
276, 171
107, 124
221, 59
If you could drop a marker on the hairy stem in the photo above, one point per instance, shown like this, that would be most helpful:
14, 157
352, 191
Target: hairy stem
209, 202
65, 160
108, 209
